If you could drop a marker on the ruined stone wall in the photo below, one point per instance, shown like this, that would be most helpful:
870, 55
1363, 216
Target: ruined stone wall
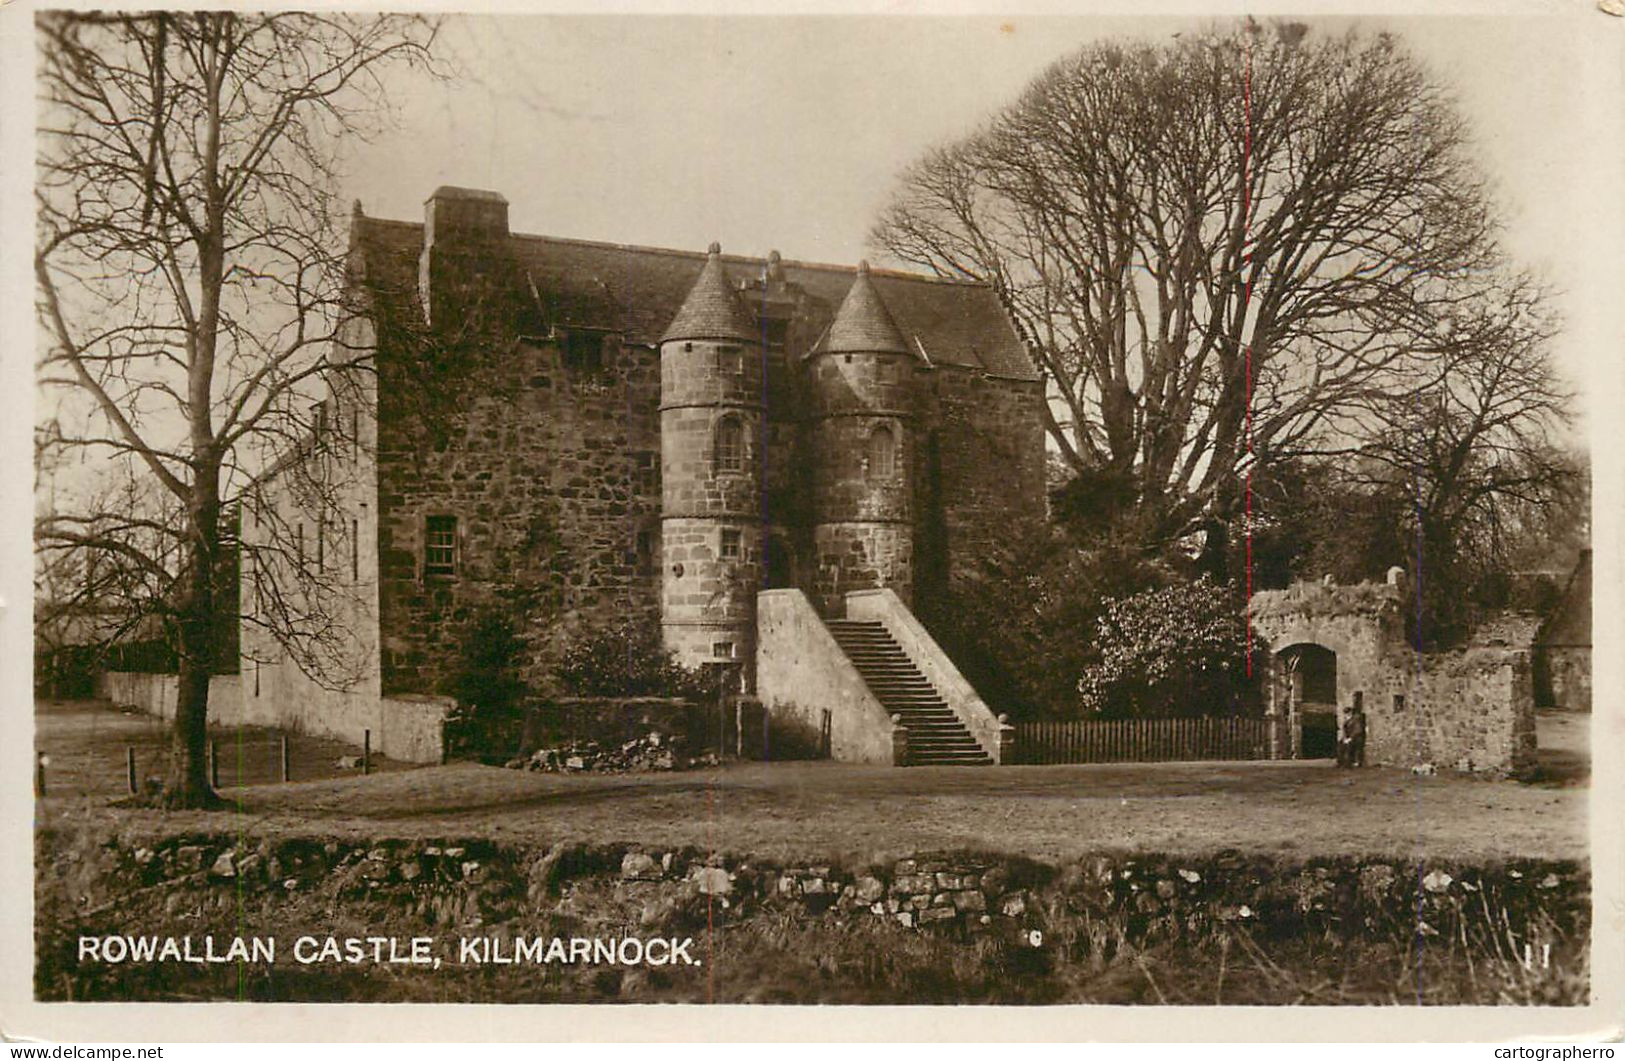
1471, 709
552, 472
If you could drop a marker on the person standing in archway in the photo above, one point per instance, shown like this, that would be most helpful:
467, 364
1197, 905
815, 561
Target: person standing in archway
1351, 749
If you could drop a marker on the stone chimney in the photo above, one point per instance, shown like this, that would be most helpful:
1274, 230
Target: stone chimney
465, 233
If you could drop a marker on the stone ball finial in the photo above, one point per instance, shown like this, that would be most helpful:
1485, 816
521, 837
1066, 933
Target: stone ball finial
714, 248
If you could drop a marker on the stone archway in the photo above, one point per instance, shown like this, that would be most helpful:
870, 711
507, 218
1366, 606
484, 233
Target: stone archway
1306, 677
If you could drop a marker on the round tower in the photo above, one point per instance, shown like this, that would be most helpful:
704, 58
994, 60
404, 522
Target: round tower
711, 416
861, 382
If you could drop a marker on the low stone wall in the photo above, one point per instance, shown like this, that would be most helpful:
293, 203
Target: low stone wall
801, 673
1092, 900
615, 720
407, 729
157, 694
413, 728
884, 606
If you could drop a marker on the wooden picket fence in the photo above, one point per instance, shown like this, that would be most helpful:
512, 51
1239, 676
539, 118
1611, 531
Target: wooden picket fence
1142, 740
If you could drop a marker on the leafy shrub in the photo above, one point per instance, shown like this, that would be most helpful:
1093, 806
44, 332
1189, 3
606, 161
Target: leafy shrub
1177, 650
487, 685
1017, 624
627, 659
490, 653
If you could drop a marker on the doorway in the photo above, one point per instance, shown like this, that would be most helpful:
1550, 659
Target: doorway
1310, 673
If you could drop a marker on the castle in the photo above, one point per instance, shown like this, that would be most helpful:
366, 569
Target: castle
598, 432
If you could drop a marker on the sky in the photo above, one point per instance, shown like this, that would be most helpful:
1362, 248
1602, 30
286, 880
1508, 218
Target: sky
788, 133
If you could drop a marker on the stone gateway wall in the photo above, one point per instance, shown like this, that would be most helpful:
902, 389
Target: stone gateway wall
1470, 709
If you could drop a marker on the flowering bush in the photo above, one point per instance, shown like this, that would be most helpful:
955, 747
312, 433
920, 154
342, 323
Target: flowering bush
1177, 650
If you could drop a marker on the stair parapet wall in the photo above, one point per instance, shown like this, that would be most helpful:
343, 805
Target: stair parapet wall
802, 672
882, 605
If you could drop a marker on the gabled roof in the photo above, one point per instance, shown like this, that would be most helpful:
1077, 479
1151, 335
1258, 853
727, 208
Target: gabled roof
637, 291
863, 324
712, 309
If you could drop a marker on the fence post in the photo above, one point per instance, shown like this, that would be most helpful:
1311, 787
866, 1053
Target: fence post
129, 767
366, 752
286, 774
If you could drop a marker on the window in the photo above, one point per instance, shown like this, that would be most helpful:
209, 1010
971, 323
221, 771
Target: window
584, 350
355, 548
730, 446
440, 545
730, 360
775, 332
722, 650
882, 453
299, 544
730, 545
318, 420
1399, 702
321, 545
256, 677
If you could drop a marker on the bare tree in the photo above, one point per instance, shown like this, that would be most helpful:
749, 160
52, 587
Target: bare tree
1230, 244
190, 267
1472, 461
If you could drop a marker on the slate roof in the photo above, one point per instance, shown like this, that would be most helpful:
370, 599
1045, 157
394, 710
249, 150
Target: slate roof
712, 309
638, 290
863, 324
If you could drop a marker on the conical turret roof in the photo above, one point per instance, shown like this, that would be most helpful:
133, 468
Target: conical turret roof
712, 309
863, 324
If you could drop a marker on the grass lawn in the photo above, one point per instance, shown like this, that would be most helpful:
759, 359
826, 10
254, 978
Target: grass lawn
829, 810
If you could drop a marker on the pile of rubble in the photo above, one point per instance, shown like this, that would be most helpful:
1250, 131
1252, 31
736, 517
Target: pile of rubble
654, 752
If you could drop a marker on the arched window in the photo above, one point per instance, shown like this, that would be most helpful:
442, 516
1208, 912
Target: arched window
882, 453
729, 454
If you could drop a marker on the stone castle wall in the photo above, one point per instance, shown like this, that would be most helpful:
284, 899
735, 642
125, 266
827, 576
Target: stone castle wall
980, 469
553, 475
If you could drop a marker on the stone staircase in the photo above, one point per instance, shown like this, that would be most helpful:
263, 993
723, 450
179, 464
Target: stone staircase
936, 736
